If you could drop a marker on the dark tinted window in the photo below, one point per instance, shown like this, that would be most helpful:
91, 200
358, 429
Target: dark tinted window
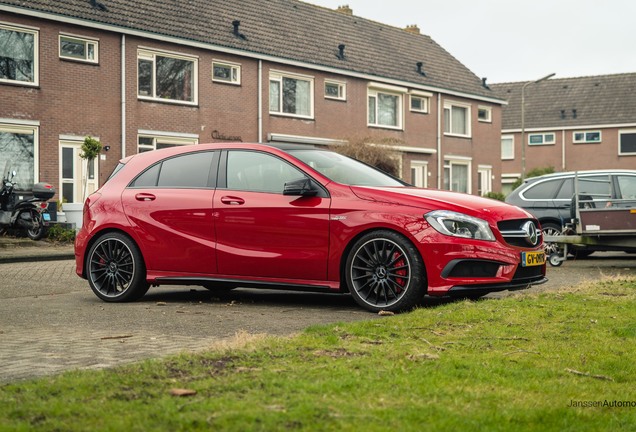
187, 171
595, 186
543, 190
567, 189
148, 178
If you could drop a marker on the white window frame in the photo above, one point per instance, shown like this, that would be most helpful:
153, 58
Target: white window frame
451, 161
424, 103
172, 139
511, 154
342, 90
372, 93
487, 110
621, 133
448, 107
419, 170
82, 185
27, 127
585, 139
544, 140
83, 40
36, 54
278, 76
235, 72
151, 55
484, 174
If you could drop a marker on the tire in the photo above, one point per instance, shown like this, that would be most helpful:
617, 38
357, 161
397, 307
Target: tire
555, 260
38, 230
384, 272
115, 269
552, 230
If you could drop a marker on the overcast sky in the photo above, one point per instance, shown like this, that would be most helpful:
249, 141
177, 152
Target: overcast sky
518, 40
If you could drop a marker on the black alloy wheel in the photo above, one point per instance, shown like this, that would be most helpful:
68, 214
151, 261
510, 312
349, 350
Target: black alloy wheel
115, 269
384, 272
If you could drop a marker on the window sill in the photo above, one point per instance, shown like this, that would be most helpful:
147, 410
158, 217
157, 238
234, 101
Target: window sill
277, 114
398, 128
457, 135
167, 101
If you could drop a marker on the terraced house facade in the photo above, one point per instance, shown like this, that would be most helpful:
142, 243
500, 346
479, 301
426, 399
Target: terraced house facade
149, 74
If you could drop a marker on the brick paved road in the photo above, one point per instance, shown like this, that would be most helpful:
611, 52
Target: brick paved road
50, 321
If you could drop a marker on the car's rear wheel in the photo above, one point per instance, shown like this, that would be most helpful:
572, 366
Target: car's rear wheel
384, 271
115, 269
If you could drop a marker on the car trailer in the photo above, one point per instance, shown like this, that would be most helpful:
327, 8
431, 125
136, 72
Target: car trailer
597, 222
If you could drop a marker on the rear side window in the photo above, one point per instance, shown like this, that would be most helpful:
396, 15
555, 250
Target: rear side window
595, 186
566, 191
193, 170
544, 190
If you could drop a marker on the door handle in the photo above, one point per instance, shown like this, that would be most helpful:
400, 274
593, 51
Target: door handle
145, 197
232, 200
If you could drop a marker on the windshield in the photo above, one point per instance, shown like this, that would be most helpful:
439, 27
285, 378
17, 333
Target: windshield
343, 169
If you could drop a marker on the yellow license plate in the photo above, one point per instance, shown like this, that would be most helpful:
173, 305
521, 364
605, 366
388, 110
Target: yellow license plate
529, 259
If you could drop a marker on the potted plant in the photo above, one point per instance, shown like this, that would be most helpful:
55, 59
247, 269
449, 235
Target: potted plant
91, 148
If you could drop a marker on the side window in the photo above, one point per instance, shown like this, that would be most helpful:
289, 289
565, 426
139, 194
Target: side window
259, 172
192, 170
627, 186
567, 190
544, 190
595, 186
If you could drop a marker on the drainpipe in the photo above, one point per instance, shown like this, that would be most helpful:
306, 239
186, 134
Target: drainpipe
563, 150
439, 140
260, 101
123, 96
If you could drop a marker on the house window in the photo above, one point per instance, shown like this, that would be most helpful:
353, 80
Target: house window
226, 72
18, 55
19, 145
484, 114
507, 147
74, 48
592, 137
457, 175
335, 90
148, 142
627, 142
457, 119
541, 139
385, 109
166, 77
484, 180
291, 95
419, 104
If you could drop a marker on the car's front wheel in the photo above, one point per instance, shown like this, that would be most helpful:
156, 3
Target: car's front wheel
384, 272
115, 269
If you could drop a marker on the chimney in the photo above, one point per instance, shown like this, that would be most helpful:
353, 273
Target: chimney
419, 68
341, 49
484, 84
414, 29
345, 9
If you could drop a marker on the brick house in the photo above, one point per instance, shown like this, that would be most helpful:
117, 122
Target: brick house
570, 124
145, 75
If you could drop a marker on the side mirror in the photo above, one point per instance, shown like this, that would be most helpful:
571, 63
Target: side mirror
300, 187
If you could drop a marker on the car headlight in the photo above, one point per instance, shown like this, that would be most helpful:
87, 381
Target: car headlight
459, 225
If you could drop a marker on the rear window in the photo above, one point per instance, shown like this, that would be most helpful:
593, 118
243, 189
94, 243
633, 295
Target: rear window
544, 190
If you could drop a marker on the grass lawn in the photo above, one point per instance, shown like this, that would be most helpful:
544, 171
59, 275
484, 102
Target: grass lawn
554, 361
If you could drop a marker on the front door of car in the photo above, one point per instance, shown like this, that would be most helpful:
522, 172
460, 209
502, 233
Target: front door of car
170, 206
261, 232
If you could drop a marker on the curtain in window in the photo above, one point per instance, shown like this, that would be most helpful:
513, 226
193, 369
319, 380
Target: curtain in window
17, 154
296, 97
387, 109
274, 96
460, 178
16, 55
459, 120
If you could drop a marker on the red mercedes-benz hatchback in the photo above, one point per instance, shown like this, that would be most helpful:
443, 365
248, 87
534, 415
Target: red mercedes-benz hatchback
249, 215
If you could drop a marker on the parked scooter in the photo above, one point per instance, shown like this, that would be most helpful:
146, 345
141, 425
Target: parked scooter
17, 213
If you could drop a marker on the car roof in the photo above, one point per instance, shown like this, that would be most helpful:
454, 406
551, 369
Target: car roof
582, 172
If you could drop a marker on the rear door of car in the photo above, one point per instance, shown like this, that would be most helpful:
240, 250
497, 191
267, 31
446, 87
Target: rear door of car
260, 231
170, 207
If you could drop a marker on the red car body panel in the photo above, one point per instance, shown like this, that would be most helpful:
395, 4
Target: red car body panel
262, 237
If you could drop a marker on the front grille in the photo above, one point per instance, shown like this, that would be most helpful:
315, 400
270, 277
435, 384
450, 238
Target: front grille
514, 234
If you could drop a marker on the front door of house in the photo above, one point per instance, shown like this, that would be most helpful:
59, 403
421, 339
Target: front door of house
77, 178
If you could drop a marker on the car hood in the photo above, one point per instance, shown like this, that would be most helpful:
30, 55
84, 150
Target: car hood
434, 199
